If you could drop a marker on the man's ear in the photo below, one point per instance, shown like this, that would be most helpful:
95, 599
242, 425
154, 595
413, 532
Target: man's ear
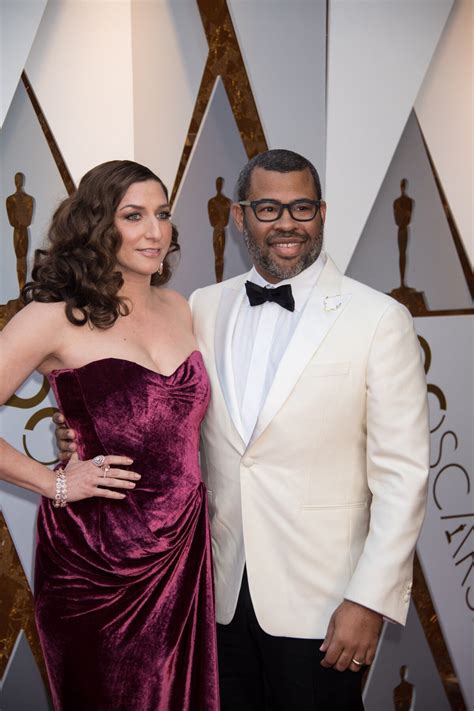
238, 216
322, 211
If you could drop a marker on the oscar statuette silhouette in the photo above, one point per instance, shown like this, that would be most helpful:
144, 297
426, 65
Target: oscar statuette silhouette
402, 212
403, 694
20, 213
218, 209
20, 208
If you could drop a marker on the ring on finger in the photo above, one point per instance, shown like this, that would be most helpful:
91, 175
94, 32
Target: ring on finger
105, 470
357, 663
99, 460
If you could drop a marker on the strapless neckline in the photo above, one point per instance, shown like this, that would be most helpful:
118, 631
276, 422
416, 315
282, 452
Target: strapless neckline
188, 358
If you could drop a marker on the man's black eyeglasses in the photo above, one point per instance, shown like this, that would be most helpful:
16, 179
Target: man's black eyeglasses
272, 210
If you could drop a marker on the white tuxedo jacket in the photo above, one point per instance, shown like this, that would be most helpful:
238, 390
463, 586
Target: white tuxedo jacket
327, 499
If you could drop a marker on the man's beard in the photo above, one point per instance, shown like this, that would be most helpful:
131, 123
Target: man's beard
278, 270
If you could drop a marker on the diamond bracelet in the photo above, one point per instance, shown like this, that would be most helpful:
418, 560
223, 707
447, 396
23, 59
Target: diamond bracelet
60, 498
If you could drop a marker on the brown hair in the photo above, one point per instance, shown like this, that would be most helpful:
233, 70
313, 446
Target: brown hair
79, 265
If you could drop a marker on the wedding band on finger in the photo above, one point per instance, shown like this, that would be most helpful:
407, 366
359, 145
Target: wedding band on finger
99, 460
359, 664
105, 470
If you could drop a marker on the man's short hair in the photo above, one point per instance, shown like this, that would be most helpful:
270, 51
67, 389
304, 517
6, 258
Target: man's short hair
279, 160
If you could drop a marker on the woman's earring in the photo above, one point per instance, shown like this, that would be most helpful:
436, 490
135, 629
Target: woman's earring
160, 269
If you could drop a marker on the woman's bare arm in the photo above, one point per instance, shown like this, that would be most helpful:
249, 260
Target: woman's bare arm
28, 342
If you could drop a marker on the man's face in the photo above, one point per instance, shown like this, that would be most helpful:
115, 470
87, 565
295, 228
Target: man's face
283, 248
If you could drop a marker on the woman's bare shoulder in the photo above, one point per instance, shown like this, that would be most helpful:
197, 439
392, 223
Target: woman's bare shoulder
176, 303
39, 315
174, 299
33, 335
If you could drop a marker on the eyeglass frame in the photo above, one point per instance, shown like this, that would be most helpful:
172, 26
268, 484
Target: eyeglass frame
253, 204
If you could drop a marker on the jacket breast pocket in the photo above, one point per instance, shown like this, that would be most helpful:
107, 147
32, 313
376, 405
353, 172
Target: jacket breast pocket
336, 507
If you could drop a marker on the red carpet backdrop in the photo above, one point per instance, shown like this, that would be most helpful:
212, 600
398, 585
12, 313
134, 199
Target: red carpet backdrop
379, 96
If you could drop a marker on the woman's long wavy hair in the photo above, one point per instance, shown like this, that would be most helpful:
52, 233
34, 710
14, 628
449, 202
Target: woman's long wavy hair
79, 265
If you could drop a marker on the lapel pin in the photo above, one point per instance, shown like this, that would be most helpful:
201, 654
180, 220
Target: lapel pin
332, 303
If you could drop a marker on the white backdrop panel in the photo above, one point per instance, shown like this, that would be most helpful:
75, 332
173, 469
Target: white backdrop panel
217, 152
405, 647
449, 85
446, 545
378, 55
283, 43
169, 54
21, 688
80, 67
433, 265
19, 22
23, 148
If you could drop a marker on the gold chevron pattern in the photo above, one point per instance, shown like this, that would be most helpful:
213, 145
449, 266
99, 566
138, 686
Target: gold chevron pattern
224, 60
16, 604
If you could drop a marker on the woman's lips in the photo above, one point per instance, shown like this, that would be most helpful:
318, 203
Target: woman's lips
150, 252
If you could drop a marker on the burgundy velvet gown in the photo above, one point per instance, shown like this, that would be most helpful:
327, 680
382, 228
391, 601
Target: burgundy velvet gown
123, 589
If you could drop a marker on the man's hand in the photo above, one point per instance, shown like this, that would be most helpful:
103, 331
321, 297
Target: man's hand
65, 439
353, 633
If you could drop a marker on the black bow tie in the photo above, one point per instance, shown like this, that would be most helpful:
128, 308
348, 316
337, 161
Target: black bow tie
280, 295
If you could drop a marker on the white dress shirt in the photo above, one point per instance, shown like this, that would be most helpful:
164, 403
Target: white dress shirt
261, 336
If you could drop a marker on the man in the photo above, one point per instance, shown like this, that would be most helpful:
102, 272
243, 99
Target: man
315, 454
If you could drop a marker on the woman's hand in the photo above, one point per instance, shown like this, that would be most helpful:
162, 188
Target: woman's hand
85, 479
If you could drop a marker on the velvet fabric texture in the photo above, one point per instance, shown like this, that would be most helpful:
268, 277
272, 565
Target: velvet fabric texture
123, 589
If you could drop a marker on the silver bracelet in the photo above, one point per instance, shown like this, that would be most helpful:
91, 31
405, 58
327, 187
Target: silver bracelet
60, 498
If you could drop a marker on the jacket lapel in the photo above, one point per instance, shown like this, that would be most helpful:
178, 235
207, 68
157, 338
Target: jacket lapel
229, 305
323, 308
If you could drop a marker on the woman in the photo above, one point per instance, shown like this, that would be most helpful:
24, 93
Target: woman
123, 587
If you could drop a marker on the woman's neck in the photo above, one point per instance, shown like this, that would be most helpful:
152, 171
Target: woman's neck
138, 292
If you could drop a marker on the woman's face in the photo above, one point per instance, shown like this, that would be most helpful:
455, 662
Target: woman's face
143, 220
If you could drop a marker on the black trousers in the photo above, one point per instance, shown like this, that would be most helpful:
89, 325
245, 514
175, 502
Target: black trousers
259, 672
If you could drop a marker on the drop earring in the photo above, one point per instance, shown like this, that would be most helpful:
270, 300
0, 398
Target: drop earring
160, 269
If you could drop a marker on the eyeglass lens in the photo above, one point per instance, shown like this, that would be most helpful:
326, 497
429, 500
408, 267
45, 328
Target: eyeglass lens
299, 210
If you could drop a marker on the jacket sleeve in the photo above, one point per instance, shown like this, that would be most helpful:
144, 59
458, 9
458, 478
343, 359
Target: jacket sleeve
397, 466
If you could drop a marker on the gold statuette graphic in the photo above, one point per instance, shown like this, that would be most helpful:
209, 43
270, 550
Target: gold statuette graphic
402, 211
403, 693
20, 207
20, 214
218, 209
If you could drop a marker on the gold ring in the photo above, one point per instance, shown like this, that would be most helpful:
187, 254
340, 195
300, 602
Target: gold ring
105, 470
359, 664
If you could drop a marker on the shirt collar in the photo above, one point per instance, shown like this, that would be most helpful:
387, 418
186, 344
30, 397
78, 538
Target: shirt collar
301, 285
